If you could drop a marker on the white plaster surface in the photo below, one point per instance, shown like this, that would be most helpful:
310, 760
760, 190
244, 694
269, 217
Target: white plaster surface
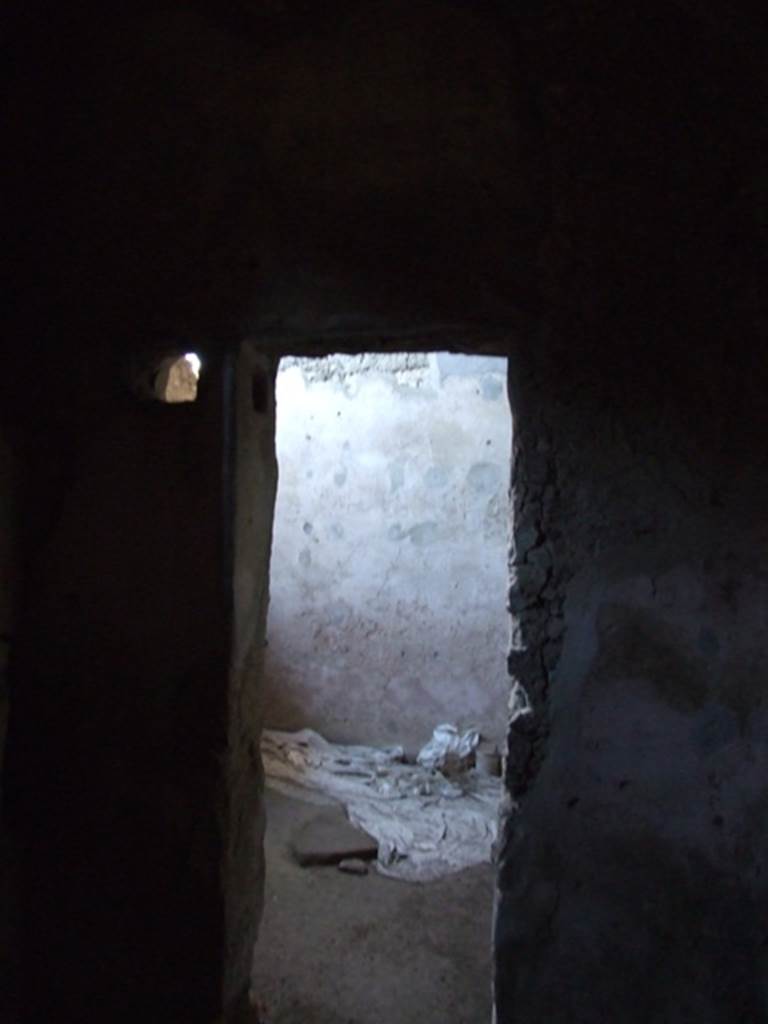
389, 562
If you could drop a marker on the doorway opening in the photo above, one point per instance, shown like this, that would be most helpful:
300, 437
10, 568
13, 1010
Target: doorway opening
386, 687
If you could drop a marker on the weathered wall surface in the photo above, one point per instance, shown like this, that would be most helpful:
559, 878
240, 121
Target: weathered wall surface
253, 488
633, 881
389, 570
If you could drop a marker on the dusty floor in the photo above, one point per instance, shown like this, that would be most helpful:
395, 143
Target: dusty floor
342, 949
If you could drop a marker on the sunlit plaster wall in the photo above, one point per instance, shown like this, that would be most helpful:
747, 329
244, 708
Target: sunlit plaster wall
389, 565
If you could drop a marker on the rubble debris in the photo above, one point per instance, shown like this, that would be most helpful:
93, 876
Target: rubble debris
426, 825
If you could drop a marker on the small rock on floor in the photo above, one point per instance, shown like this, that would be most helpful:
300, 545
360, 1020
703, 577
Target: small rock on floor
353, 866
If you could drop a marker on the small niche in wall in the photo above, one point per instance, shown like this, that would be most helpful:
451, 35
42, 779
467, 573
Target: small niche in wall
176, 378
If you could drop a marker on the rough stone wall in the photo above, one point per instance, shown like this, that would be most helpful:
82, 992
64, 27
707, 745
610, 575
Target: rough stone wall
387, 609
632, 879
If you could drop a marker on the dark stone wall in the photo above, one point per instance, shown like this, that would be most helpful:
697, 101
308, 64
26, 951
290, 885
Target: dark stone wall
254, 486
113, 788
632, 877
584, 185
631, 881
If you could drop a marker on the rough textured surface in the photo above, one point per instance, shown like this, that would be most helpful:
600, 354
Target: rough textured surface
337, 948
641, 771
389, 569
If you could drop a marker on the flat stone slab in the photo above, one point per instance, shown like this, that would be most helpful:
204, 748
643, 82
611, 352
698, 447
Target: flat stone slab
329, 838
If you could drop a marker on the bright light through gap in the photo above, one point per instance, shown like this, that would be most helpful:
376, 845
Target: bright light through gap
194, 361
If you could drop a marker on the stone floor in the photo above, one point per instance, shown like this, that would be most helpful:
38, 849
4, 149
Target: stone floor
343, 949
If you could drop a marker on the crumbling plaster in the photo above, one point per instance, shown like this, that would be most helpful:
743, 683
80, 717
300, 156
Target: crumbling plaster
632, 845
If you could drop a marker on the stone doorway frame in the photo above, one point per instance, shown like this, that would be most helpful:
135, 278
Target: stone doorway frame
251, 373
